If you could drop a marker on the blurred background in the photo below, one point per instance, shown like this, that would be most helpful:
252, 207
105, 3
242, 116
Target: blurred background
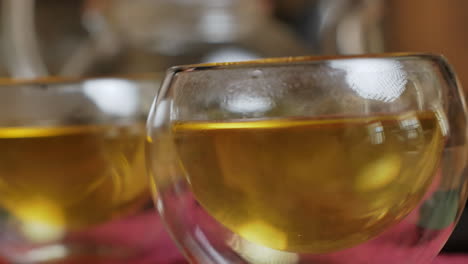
107, 37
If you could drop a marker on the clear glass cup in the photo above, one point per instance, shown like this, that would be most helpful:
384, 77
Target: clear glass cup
73, 183
338, 160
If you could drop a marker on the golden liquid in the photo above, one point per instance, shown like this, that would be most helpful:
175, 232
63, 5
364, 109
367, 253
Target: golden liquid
308, 185
58, 179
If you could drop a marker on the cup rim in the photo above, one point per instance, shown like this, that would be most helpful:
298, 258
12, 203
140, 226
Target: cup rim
308, 59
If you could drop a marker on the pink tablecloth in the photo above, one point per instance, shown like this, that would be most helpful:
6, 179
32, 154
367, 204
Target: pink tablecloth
172, 258
164, 251
451, 259
443, 259
142, 230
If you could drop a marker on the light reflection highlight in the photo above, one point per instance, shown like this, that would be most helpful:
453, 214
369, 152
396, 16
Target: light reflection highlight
376, 79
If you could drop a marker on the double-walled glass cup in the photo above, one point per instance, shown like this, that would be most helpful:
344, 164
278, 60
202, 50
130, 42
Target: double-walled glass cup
343, 160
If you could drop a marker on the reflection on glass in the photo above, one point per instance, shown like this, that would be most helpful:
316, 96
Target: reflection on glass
383, 80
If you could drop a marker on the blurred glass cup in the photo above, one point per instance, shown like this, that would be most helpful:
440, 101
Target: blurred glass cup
73, 183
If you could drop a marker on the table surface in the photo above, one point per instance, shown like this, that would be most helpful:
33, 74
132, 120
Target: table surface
163, 251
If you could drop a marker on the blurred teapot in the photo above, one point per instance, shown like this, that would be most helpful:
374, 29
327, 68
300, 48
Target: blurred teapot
101, 37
